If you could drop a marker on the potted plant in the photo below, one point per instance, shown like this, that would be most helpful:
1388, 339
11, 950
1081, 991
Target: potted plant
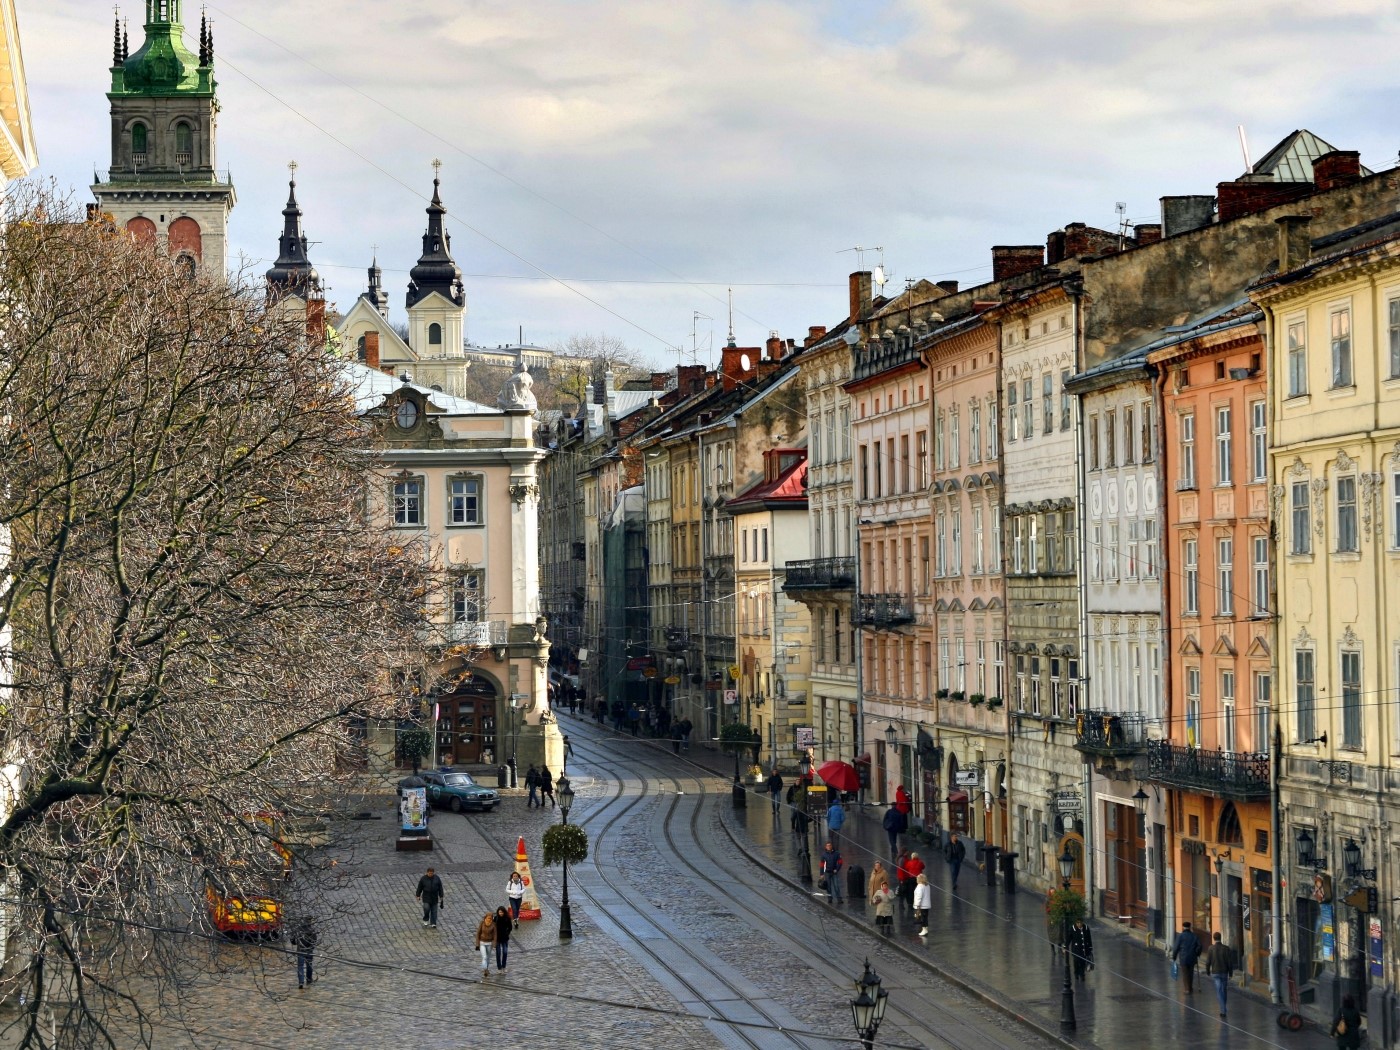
942, 694
565, 844
993, 702
415, 745
976, 699
957, 694
1063, 906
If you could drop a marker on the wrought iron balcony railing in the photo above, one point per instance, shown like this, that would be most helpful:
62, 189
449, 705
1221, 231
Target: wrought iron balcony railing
883, 611
1109, 733
1224, 774
827, 574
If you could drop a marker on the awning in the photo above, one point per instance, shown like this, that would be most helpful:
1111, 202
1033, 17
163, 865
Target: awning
956, 796
863, 758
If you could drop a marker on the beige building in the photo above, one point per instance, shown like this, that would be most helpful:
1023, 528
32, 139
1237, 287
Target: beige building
1333, 332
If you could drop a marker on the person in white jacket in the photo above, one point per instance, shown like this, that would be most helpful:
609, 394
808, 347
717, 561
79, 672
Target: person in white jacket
923, 901
515, 893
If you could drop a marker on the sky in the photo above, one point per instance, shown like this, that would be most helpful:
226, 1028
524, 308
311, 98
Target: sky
613, 168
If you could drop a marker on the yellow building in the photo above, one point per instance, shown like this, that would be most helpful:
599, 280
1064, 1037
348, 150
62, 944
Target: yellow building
1333, 324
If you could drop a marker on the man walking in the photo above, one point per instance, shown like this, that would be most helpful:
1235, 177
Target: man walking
954, 853
831, 872
1186, 949
1081, 948
835, 818
532, 781
430, 893
775, 788
1220, 964
304, 940
895, 824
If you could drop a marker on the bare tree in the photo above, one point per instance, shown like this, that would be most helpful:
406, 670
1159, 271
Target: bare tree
586, 359
197, 606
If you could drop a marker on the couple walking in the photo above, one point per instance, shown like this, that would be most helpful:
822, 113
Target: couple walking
494, 930
541, 785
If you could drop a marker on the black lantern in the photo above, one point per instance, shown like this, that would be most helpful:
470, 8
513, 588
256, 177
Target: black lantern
1306, 857
1066, 860
1140, 801
1067, 1018
1351, 857
565, 793
868, 1007
891, 736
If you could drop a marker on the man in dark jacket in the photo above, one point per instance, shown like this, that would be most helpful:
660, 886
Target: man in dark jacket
954, 853
1186, 949
532, 781
775, 788
304, 940
831, 872
430, 893
1081, 948
895, 824
1220, 964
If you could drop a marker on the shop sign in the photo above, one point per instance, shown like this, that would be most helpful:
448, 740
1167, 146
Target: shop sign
806, 737
967, 777
1375, 939
731, 696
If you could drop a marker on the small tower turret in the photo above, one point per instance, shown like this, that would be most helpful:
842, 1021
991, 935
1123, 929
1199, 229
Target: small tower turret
292, 273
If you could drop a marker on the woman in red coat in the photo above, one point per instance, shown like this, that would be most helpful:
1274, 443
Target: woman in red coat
902, 801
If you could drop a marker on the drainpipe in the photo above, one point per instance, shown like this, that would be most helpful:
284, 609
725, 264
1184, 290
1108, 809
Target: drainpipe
1075, 290
1168, 855
1276, 953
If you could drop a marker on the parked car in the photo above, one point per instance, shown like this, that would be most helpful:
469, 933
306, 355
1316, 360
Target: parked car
458, 791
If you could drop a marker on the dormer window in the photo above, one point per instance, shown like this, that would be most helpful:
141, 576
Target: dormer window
434, 334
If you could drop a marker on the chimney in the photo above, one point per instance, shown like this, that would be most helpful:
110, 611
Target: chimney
1147, 233
690, 379
1255, 193
1180, 214
1055, 248
1294, 242
860, 294
372, 349
316, 321
815, 334
661, 380
774, 346
736, 364
1011, 260
766, 369
1341, 167
948, 286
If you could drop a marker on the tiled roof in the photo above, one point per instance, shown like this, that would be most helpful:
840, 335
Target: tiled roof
369, 388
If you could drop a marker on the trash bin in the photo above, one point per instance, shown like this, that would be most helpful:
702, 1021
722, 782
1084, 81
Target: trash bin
503, 776
855, 882
989, 863
1008, 871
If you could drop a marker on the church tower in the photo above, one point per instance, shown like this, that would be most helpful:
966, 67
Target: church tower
293, 285
162, 184
436, 299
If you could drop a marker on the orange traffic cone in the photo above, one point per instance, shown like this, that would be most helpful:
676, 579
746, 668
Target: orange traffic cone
530, 905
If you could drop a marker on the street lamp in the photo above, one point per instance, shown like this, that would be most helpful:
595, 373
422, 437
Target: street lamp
804, 856
868, 1007
891, 736
1140, 801
1307, 856
1067, 991
565, 793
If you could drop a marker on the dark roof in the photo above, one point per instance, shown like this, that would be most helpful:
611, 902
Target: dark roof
292, 273
1292, 159
436, 271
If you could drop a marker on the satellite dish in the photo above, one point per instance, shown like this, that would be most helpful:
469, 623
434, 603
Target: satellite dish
852, 336
744, 362
880, 277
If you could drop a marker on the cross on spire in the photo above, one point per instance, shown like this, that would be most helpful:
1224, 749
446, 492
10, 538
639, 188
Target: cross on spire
437, 168
292, 167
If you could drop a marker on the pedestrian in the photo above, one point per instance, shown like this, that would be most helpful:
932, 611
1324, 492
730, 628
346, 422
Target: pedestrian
568, 747
486, 942
883, 900
686, 729
1081, 948
895, 824
835, 818
430, 893
923, 901
902, 801
1186, 949
906, 880
1220, 965
504, 923
1346, 1026
532, 781
304, 938
831, 872
914, 867
546, 787
954, 853
878, 874
515, 893
775, 788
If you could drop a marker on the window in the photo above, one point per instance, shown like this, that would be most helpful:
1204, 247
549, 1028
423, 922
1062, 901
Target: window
1067, 532
1224, 441
1341, 347
1259, 441
1072, 669
765, 543
1149, 432
1033, 544
1351, 699
955, 539
1346, 512
464, 598
977, 562
992, 429
434, 334
408, 503
1018, 544
1297, 358
945, 677
1307, 694
1300, 514
1225, 575
1193, 707
816, 442
184, 143
1093, 442
1035, 685
1394, 331
960, 667
1057, 696
1395, 510
864, 472
941, 529
1188, 451
921, 445
846, 432
1020, 682
1263, 692
1065, 400
974, 433
940, 443
924, 564
1111, 565
138, 143
954, 440
904, 462
1047, 402
1013, 418
1190, 578
1027, 411
464, 501
1261, 575
1129, 435
1096, 552
1130, 552
982, 666
995, 548
1052, 543
999, 668
1150, 558
1110, 440
1227, 712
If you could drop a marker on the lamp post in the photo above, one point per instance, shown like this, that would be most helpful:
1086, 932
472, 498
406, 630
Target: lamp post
565, 794
804, 857
868, 1007
1067, 1019
1140, 801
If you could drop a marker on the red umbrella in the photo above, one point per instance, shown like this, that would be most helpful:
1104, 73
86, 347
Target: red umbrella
840, 775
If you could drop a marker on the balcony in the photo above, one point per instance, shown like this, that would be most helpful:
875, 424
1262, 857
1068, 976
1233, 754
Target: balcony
884, 355
479, 633
820, 574
884, 611
1110, 735
182, 159
1224, 774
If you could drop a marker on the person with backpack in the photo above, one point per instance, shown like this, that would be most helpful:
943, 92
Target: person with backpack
1220, 964
1346, 1026
953, 853
831, 872
835, 819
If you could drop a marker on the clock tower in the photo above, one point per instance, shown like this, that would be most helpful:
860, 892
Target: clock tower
162, 183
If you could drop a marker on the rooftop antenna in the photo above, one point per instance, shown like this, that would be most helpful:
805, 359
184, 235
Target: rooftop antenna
695, 316
880, 277
1244, 148
1121, 207
731, 317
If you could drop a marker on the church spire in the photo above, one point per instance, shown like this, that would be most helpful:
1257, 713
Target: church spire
206, 42
117, 55
436, 270
293, 273
377, 296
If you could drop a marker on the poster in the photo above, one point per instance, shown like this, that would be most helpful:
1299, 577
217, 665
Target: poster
1326, 934
413, 809
1375, 939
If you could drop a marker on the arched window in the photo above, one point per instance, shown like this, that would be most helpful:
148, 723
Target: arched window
184, 144
138, 144
360, 349
1229, 832
434, 334
184, 237
142, 229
